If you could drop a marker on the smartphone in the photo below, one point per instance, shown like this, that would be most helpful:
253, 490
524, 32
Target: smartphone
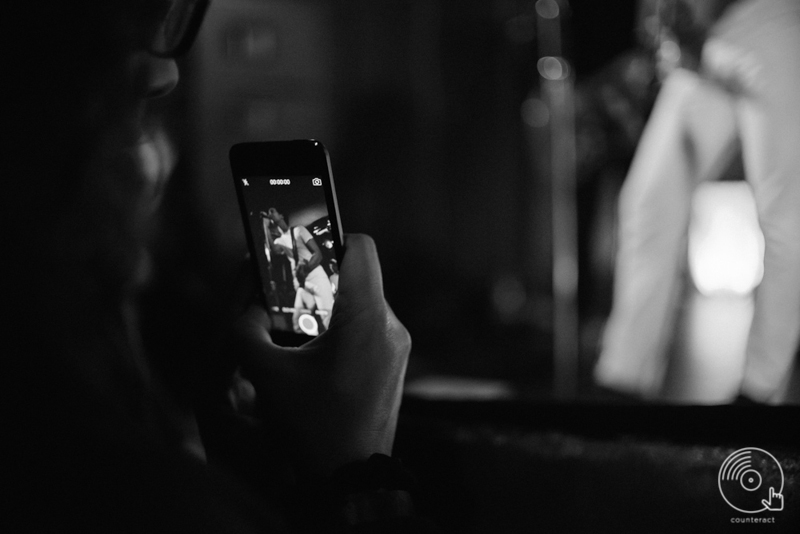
294, 233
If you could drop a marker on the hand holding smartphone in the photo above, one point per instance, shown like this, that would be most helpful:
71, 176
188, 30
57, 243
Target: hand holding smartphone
294, 234
341, 395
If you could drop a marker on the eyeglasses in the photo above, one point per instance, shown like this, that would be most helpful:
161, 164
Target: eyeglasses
178, 28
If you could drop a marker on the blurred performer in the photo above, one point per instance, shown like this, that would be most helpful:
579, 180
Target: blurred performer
312, 280
746, 92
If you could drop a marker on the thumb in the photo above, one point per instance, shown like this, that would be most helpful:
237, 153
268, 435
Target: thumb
260, 356
245, 286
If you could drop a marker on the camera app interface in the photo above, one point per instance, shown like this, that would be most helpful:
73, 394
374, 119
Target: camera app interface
293, 243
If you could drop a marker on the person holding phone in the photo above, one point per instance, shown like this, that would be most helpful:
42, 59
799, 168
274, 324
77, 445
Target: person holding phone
99, 441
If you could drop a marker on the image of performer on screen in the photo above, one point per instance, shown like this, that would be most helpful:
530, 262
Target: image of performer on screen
278, 269
313, 290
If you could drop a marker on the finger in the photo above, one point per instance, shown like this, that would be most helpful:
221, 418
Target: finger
361, 289
360, 276
245, 287
260, 356
253, 327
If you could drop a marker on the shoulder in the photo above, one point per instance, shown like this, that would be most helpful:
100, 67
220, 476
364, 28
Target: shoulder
302, 231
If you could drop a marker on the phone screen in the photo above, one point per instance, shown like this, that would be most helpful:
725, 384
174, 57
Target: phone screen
294, 248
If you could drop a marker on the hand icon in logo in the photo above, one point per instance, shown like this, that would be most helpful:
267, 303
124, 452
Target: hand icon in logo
775, 502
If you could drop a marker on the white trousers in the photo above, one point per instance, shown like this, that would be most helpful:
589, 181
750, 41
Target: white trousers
749, 93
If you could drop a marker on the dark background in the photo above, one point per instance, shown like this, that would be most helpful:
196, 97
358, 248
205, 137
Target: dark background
420, 104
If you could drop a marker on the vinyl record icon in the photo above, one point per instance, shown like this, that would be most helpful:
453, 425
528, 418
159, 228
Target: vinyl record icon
749, 480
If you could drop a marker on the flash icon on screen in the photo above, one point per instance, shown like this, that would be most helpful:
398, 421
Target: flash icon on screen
316, 181
245, 182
